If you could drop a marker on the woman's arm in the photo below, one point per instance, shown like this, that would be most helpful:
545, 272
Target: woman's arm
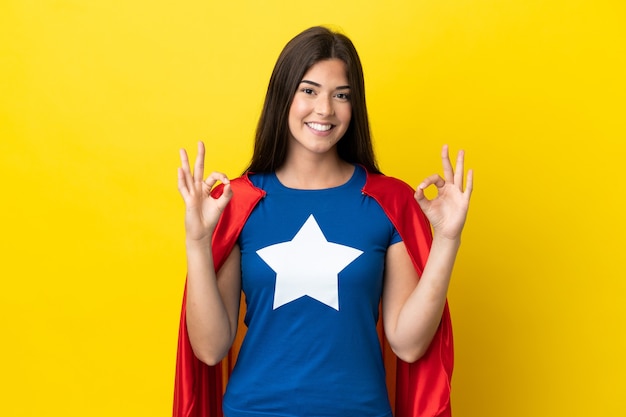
212, 302
212, 299
412, 305
411, 309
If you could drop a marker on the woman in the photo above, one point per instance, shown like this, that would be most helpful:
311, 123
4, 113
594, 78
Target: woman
317, 238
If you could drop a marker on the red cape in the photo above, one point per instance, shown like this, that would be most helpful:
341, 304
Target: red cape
421, 389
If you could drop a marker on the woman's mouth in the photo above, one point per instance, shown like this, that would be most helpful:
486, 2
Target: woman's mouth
319, 127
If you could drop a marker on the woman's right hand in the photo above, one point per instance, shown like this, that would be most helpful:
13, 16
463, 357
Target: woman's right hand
201, 210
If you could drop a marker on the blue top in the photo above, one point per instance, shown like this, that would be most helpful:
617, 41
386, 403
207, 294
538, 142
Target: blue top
312, 266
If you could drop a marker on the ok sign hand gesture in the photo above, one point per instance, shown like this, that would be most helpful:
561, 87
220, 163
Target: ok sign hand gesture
448, 210
201, 210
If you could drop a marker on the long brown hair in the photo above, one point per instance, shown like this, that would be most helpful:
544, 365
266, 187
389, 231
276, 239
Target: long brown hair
301, 53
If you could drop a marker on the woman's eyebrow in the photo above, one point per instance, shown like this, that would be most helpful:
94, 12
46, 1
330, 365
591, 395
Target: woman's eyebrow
313, 83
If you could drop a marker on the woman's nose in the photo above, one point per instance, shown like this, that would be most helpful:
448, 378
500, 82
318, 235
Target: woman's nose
324, 106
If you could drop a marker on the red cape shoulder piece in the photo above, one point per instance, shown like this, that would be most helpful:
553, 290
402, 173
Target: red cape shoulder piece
422, 388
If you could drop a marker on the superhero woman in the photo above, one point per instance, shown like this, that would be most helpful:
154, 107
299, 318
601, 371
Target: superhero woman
344, 271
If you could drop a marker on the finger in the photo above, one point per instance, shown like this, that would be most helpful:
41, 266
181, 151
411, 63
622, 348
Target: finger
214, 177
448, 172
198, 171
227, 194
186, 170
435, 180
182, 184
470, 183
459, 172
420, 195
184, 160
421, 199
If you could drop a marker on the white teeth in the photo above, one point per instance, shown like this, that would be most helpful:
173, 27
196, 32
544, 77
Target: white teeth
319, 127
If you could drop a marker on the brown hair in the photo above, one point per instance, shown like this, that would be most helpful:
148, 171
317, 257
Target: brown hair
301, 53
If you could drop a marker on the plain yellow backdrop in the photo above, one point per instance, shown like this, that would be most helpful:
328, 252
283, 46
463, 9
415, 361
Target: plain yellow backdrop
96, 98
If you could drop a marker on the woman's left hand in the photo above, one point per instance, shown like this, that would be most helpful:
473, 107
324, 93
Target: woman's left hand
448, 210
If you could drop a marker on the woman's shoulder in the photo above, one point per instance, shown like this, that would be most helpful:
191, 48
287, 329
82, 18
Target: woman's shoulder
247, 183
380, 183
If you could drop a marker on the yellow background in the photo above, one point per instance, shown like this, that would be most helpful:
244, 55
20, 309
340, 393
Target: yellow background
96, 98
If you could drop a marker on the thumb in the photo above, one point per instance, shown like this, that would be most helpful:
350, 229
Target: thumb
226, 195
419, 195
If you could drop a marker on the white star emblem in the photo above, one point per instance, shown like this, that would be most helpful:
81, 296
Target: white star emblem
308, 265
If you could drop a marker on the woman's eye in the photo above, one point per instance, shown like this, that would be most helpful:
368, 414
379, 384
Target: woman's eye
307, 90
343, 96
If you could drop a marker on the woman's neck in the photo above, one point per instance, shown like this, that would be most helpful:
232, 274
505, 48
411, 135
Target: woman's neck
315, 174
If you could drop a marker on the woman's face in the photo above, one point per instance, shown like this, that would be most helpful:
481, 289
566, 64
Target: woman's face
321, 110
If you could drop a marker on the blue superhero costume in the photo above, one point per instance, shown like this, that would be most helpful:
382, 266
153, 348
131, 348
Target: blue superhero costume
421, 389
312, 274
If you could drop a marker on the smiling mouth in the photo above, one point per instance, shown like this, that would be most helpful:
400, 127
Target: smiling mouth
320, 127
